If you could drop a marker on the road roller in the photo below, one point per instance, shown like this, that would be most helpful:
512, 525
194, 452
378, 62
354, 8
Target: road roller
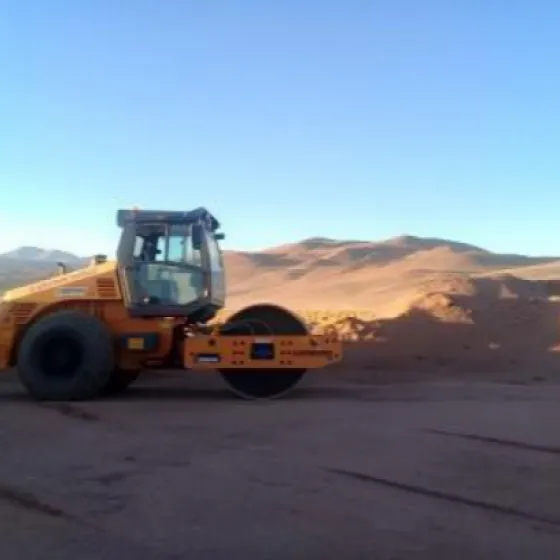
89, 332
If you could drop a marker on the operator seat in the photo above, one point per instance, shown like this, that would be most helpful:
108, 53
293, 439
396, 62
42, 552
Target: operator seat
165, 290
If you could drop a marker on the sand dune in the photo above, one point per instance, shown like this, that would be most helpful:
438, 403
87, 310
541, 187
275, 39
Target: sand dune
323, 273
450, 325
413, 304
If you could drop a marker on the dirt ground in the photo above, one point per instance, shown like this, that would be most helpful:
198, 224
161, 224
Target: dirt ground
178, 468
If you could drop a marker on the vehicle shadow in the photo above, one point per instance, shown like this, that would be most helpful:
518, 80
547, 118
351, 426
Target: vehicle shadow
187, 387
503, 338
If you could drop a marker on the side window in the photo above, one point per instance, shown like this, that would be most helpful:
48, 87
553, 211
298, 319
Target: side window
176, 248
216, 261
192, 256
138, 244
160, 253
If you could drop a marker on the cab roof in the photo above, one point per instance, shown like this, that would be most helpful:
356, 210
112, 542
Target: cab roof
198, 215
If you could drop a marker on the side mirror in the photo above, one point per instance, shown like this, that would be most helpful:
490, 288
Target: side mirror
219, 236
197, 236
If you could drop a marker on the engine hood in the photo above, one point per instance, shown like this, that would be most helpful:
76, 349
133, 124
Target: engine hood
87, 282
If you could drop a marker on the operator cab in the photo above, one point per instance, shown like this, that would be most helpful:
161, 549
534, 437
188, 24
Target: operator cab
170, 263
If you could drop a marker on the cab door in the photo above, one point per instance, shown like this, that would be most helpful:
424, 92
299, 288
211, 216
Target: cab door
217, 272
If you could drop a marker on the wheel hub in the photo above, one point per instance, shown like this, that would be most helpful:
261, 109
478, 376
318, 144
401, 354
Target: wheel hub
60, 356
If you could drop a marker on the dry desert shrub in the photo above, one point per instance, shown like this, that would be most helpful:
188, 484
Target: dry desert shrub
347, 324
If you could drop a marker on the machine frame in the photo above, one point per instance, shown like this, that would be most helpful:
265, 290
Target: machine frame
112, 325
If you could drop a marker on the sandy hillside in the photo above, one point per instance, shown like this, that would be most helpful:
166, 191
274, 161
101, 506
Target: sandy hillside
413, 304
452, 326
385, 276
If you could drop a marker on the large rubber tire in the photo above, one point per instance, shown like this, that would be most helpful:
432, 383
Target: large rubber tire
120, 381
66, 356
262, 319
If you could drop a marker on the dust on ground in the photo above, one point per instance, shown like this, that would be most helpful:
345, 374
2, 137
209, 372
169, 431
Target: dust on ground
452, 326
436, 437
178, 468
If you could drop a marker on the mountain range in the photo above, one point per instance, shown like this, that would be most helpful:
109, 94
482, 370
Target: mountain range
323, 273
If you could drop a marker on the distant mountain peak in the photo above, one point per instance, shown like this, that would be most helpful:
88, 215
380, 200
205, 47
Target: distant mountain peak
404, 238
31, 253
326, 242
316, 241
424, 243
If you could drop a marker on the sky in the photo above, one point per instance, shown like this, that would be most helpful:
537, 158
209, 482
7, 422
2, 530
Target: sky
287, 120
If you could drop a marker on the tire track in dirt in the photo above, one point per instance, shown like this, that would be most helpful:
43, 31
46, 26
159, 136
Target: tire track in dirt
498, 441
444, 496
72, 411
28, 501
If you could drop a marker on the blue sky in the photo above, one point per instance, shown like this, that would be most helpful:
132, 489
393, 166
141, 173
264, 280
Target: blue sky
348, 119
